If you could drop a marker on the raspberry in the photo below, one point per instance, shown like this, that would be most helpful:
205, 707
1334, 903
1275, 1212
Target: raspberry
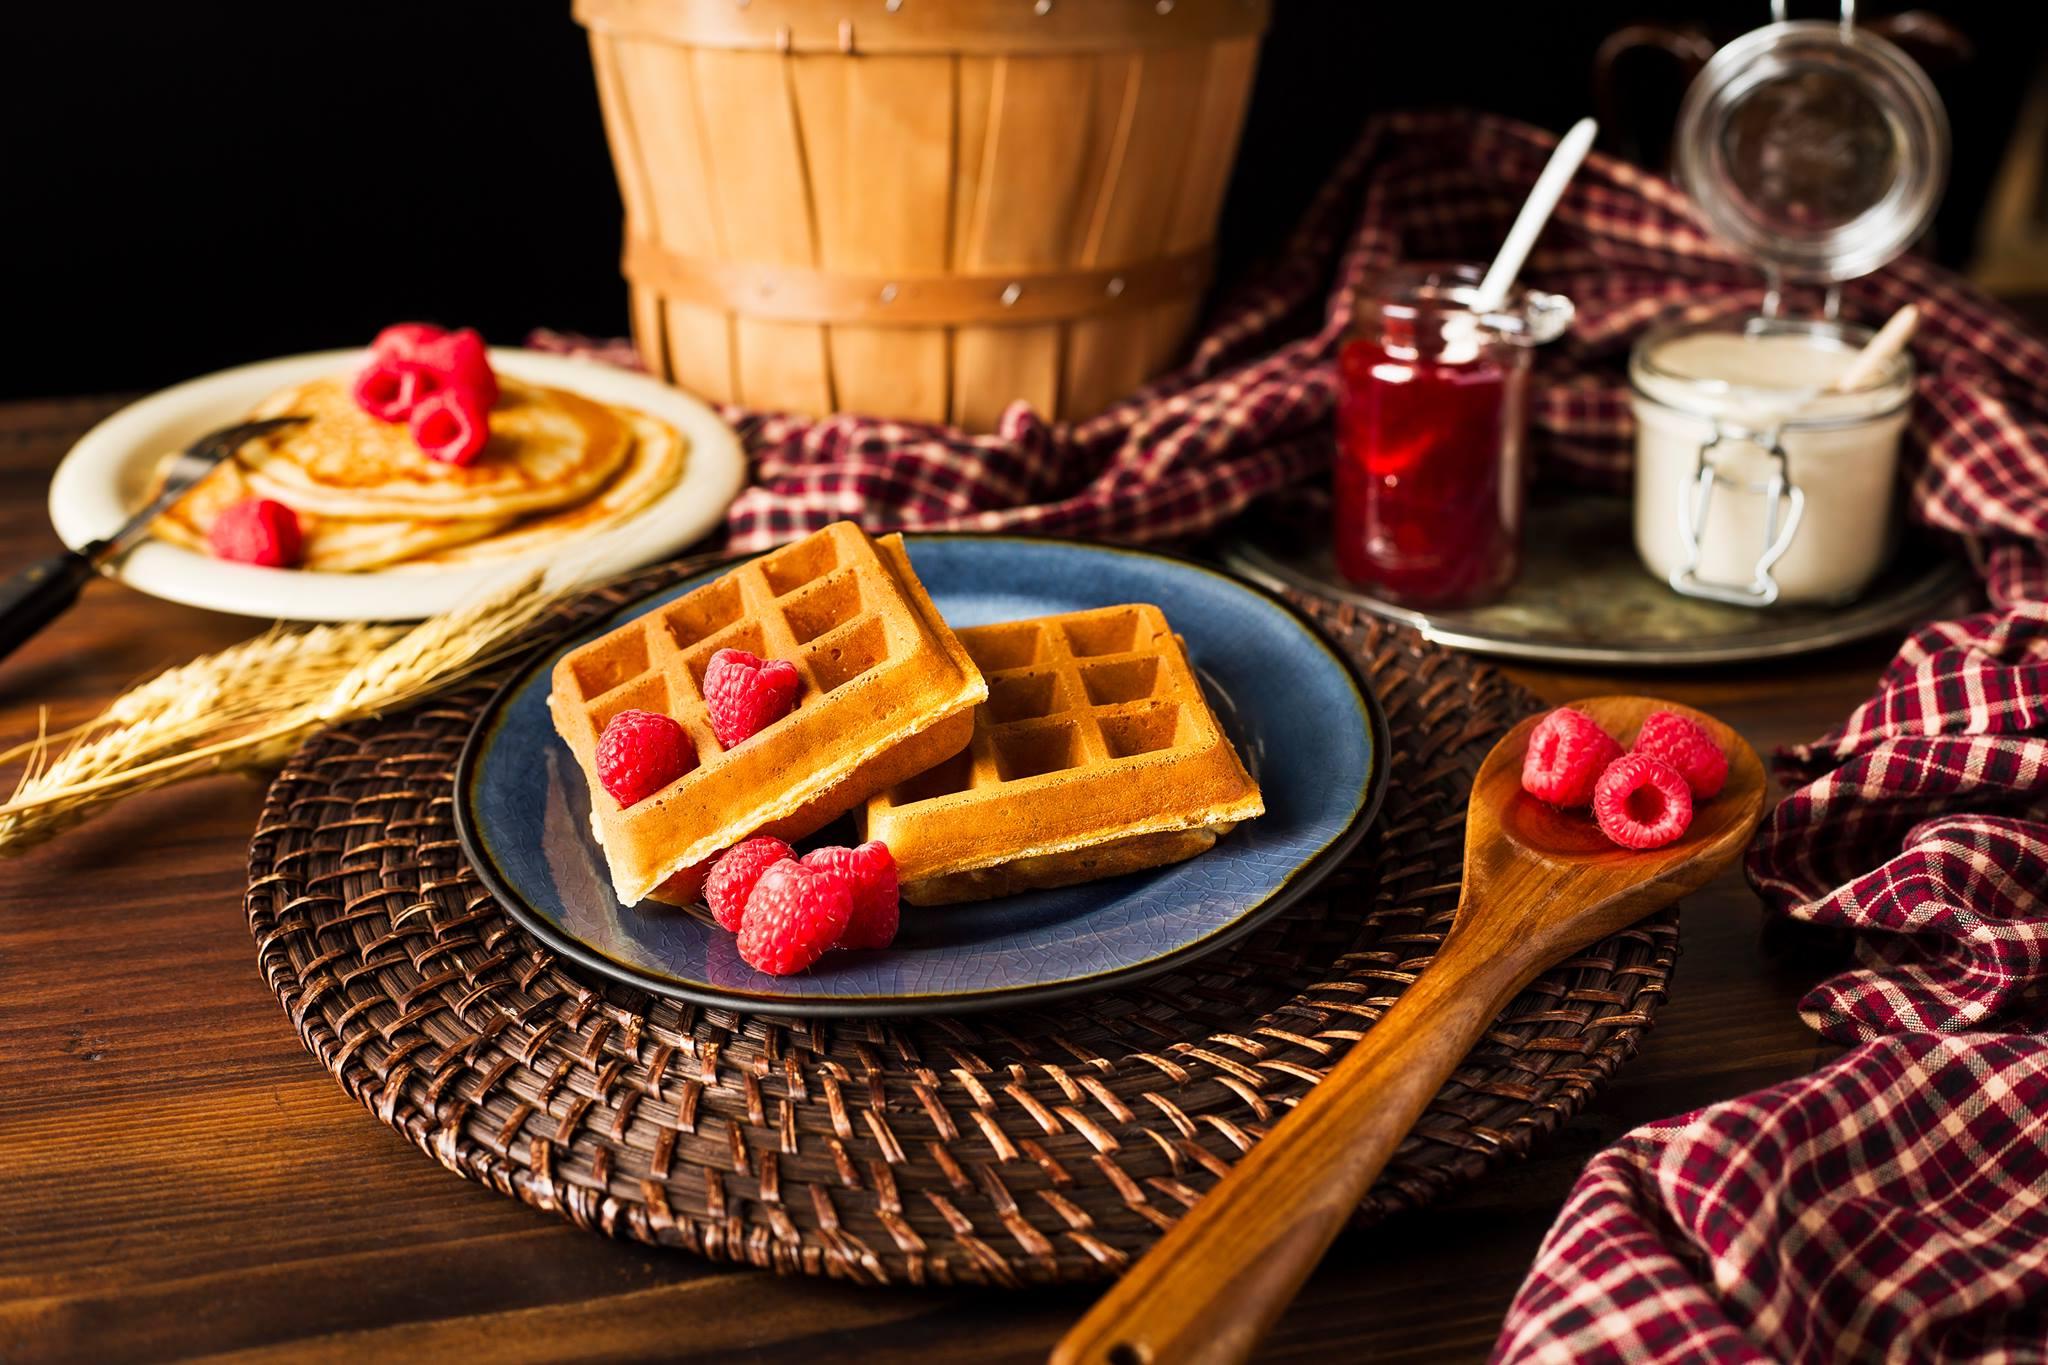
257, 531
1567, 753
639, 753
461, 361
1642, 802
404, 339
746, 695
1685, 744
871, 872
795, 914
733, 876
451, 426
390, 387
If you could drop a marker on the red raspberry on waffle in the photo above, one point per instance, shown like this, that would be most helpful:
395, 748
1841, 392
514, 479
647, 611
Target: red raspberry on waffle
639, 753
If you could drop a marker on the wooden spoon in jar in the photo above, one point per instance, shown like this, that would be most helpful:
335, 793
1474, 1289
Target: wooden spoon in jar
1540, 885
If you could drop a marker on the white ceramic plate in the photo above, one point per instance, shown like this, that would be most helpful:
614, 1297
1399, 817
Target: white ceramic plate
104, 477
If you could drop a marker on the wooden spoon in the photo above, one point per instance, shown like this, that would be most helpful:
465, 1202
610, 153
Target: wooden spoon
1540, 885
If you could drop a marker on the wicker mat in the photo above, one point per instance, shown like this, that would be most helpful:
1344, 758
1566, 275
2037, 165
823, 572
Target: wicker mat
1008, 1148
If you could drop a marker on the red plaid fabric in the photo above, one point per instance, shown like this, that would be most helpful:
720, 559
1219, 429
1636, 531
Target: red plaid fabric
1893, 1205
1921, 824
1888, 1208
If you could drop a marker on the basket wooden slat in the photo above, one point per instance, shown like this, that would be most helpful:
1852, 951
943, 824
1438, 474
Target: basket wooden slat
1007, 1148
923, 218
636, 192
873, 184
927, 26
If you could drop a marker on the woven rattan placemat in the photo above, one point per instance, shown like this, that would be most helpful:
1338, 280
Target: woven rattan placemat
1009, 1148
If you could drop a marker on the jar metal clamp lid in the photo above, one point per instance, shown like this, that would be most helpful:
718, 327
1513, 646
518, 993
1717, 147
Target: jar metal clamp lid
1819, 150
1784, 507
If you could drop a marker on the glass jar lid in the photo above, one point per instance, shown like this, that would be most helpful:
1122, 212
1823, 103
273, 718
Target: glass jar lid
1819, 149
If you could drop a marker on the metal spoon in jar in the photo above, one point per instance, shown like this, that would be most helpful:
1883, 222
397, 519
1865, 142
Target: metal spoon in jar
1536, 210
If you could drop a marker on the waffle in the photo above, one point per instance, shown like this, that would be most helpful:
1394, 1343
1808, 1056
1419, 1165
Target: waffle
888, 691
1095, 754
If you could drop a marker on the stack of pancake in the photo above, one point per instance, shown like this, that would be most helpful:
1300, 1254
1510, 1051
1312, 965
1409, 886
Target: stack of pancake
558, 467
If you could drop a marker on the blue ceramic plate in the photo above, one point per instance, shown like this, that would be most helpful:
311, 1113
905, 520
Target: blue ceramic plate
1300, 715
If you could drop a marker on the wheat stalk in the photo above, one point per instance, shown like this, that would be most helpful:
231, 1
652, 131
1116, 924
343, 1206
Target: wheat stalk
180, 701
249, 706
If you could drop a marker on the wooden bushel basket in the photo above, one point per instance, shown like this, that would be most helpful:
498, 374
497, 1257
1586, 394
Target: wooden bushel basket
920, 208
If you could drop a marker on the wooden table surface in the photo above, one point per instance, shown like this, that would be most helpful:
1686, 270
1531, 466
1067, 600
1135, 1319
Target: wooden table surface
178, 1177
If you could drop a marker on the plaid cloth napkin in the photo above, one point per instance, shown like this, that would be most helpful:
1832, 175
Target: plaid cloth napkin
1893, 1205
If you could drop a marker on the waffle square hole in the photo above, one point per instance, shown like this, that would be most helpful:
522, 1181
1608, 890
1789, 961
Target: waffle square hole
1107, 634
1041, 749
790, 568
646, 693
956, 774
841, 658
1123, 680
1022, 696
607, 663
831, 603
995, 648
703, 613
1141, 732
747, 637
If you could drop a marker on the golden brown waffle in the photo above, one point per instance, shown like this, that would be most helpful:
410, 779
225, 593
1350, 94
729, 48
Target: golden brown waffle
888, 691
1095, 754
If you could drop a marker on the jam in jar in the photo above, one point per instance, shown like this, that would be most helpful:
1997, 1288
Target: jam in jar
1432, 420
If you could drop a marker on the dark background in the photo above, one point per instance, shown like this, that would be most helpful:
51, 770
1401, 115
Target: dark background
191, 185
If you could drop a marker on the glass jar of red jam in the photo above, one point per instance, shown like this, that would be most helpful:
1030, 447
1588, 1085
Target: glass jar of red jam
1432, 420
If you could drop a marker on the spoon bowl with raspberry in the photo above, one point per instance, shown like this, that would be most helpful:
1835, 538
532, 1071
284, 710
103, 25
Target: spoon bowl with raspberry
1632, 813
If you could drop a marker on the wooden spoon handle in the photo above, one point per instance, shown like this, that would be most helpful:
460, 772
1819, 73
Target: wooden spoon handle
1213, 1285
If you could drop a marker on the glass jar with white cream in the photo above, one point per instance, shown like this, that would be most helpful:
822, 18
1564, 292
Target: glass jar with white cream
1755, 482
1817, 151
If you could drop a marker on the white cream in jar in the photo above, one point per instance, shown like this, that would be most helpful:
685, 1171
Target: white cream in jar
1754, 484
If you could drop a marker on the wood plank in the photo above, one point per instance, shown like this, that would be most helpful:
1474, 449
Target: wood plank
1182, 110
1154, 148
649, 335
1036, 128
1106, 358
700, 351
700, 1318
974, 91
1035, 157
754, 152
882, 121
676, 189
994, 367
1212, 142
